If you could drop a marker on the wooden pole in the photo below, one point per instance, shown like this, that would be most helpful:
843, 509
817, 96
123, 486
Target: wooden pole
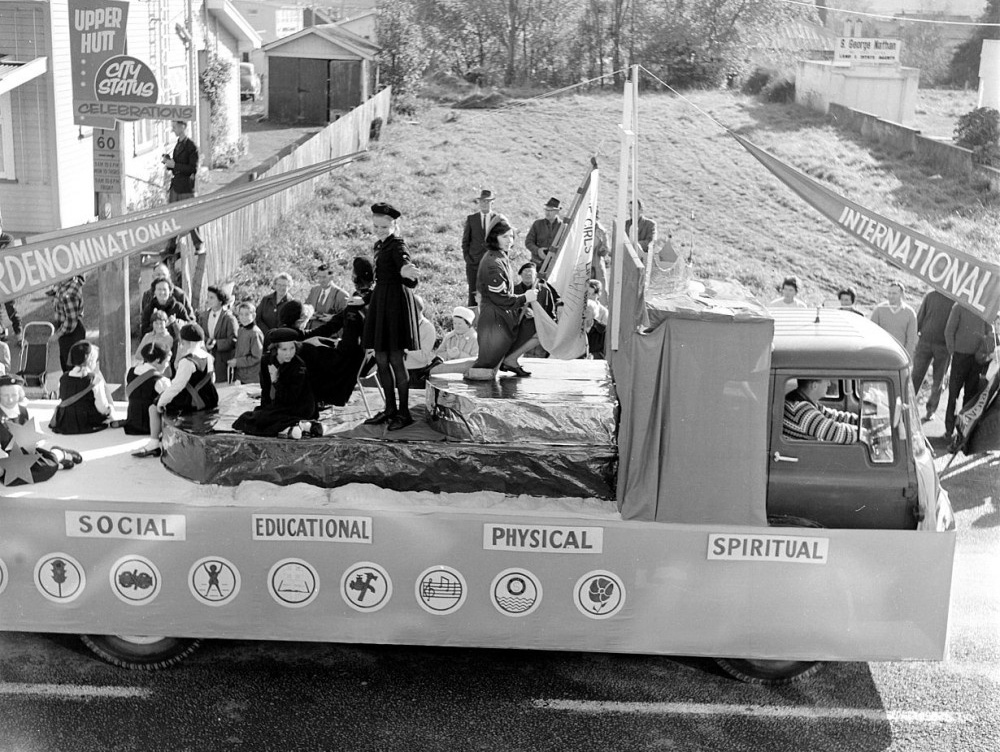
114, 317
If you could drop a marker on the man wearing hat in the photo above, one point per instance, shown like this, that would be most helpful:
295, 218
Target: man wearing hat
541, 238
645, 230
474, 239
326, 297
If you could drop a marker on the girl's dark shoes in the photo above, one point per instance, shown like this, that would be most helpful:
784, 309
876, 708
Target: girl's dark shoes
400, 420
148, 452
382, 417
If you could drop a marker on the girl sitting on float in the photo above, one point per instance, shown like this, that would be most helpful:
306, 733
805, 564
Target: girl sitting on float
84, 398
14, 411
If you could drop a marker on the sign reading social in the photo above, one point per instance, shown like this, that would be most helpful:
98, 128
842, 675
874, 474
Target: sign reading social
109, 85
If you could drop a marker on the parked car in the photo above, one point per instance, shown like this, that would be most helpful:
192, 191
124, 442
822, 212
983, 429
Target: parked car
249, 82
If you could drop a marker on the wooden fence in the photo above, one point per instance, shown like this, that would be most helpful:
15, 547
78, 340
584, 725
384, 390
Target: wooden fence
228, 237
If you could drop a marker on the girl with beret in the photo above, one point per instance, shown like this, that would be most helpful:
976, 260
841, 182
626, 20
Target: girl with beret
392, 324
84, 403
291, 398
500, 308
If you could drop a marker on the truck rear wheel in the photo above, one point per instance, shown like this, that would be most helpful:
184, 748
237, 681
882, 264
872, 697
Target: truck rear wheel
141, 652
773, 673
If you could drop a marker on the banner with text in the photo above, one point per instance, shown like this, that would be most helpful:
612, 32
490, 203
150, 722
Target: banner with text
109, 85
967, 280
48, 259
568, 276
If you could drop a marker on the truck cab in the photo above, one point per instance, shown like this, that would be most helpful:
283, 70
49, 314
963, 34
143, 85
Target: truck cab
886, 479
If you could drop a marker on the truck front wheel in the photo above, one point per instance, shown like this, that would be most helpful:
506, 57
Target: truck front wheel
773, 673
140, 652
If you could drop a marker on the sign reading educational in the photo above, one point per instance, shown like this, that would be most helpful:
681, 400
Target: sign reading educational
109, 85
867, 51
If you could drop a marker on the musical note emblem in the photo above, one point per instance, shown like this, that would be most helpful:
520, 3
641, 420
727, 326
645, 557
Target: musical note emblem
441, 590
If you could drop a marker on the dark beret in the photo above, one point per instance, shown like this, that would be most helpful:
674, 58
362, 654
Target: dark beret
283, 334
192, 333
387, 209
10, 379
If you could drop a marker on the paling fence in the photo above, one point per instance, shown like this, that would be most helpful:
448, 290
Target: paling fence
228, 237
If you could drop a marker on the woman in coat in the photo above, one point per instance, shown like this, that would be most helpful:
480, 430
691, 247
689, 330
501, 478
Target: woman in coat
391, 327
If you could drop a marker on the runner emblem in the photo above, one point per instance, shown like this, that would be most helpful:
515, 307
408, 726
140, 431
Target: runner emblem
293, 583
214, 581
599, 594
516, 592
60, 578
441, 590
135, 580
366, 586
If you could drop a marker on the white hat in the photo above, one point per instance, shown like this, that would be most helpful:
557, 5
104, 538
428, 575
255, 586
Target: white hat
464, 313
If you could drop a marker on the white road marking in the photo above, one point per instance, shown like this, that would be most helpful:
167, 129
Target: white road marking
755, 711
72, 691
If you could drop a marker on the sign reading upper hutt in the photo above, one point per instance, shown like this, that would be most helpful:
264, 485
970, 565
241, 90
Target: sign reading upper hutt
109, 85
866, 51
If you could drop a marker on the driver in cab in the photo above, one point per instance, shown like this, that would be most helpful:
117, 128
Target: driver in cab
805, 418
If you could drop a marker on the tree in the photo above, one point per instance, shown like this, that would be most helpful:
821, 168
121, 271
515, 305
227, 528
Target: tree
964, 68
404, 53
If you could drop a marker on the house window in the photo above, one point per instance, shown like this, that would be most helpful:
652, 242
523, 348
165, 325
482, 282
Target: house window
146, 135
6, 139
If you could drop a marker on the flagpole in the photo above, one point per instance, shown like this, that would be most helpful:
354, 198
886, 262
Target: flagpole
618, 226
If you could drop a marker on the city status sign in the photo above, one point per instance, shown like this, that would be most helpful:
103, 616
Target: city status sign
867, 51
109, 85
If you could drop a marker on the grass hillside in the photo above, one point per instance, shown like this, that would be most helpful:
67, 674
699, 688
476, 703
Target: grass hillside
695, 180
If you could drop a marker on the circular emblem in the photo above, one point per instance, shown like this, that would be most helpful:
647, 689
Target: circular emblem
4, 576
60, 577
135, 580
124, 78
441, 590
293, 583
599, 594
214, 581
366, 586
516, 592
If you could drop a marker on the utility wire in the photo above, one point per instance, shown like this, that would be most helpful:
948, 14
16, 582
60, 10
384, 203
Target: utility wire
904, 19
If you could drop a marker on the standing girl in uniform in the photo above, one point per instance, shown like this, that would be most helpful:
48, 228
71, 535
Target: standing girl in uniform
391, 327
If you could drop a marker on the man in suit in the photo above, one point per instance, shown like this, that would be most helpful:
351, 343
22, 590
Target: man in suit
183, 164
326, 298
474, 239
645, 231
541, 238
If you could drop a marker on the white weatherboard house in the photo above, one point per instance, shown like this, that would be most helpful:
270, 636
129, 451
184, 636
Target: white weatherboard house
46, 161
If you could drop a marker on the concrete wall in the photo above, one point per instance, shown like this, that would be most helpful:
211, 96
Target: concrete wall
886, 91
942, 154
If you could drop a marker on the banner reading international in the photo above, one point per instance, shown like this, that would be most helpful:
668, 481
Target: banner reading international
50, 258
568, 276
967, 280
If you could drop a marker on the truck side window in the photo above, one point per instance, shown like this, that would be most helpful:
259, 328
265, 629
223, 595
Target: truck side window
876, 420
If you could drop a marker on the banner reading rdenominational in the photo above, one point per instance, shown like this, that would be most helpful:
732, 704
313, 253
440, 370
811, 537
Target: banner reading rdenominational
55, 256
969, 281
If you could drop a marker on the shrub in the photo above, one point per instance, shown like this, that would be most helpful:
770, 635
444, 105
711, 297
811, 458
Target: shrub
228, 155
981, 127
780, 90
757, 80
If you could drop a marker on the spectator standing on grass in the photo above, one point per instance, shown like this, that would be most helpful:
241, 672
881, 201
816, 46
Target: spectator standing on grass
932, 348
249, 346
971, 342
847, 296
269, 308
15, 319
474, 239
183, 165
541, 238
326, 298
68, 302
220, 326
897, 317
645, 230
789, 291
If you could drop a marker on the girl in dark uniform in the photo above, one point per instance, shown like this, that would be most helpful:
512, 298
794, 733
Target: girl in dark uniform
391, 327
500, 308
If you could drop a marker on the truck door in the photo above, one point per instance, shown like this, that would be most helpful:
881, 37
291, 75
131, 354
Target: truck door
864, 484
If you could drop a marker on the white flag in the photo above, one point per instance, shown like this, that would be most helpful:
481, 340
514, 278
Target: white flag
568, 275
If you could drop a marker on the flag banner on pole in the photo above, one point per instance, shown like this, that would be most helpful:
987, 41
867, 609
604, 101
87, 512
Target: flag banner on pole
967, 421
52, 257
967, 280
568, 276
